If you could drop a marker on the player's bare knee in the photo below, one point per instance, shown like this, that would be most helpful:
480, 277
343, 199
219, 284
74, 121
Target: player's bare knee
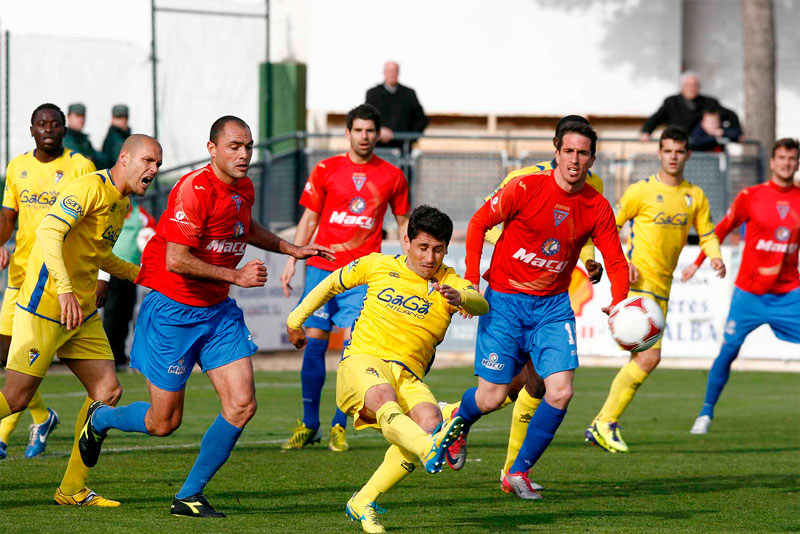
239, 413
429, 422
164, 427
560, 397
490, 400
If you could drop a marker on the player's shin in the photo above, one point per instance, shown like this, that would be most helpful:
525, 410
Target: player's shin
215, 448
312, 379
397, 464
622, 391
7, 426
76, 474
524, 408
718, 377
399, 429
468, 410
541, 430
130, 418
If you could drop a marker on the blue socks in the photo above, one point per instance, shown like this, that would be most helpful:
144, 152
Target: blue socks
718, 377
469, 411
312, 378
542, 428
215, 448
128, 418
339, 418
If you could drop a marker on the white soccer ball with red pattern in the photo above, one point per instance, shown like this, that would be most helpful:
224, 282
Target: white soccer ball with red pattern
636, 323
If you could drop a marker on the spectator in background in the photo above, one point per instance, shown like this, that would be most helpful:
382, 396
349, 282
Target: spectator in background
75, 139
117, 133
710, 135
684, 110
398, 105
118, 296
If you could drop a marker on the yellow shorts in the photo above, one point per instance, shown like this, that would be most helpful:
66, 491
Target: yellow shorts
7, 312
646, 288
36, 340
356, 374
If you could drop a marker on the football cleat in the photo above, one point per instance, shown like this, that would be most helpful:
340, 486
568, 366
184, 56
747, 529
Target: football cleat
438, 442
85, 497
338, 439
534, 485
701, 425
194, 506
301, 437
367, 514
456, 453
91, 441
520, 485
449, 409
607, 436
37, 442
3, 450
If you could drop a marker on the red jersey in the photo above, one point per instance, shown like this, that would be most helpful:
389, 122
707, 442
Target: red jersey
544, 229
769, 260
351, 199
211, 217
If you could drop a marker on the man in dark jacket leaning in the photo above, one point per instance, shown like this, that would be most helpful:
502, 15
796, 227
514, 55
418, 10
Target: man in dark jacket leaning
684, 109
398, 105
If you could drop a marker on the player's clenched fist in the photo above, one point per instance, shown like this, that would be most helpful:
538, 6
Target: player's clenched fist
296, 337
451, 295
253, 274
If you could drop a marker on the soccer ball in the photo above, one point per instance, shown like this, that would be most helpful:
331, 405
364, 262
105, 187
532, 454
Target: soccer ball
636, 323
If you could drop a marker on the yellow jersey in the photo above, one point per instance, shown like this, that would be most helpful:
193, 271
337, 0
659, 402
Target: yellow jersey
75, 241
662, 217
592, 180
403, 317
31, 189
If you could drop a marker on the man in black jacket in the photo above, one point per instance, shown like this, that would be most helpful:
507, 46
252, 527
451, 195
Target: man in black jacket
684, 109
398, 105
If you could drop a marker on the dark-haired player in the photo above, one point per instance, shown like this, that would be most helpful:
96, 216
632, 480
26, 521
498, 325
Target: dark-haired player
662, 208
767, 286
547, 218
346, 197
188, 318
406, 311
33, 182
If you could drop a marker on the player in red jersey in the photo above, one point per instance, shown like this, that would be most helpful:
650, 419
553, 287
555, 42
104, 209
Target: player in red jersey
346, 198
767, 286
547, 218
188, 318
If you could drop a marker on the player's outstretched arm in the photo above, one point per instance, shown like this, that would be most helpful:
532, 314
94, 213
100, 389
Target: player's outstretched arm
116, 266
302, 235
468, 299
264, 239
180, 260
332, 285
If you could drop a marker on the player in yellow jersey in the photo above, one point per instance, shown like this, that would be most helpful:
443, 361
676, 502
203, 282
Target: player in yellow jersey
407, 310
663, 208
528, 389
33, 182
56, 309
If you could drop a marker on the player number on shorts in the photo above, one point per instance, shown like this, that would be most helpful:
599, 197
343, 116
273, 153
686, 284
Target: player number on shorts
568, 328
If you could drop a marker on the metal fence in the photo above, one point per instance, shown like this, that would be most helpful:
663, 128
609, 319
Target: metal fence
455, 173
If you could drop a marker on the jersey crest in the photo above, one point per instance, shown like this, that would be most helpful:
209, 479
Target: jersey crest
559, 216
783, 209
358, 180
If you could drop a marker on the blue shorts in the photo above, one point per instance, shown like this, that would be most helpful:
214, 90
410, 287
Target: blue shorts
171, 337
342, 310
749, 311
520, 326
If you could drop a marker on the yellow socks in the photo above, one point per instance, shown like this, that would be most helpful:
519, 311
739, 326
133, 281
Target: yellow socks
623, 389
76, 474
397, 465
508, 401
7, 426
399, 429
5, 409
523, 411
38, 409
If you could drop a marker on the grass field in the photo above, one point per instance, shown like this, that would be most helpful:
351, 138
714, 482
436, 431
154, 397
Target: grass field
742, 477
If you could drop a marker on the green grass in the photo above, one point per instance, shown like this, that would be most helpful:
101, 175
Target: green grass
742, 477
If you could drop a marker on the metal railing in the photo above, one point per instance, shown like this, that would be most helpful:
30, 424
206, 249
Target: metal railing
456, 172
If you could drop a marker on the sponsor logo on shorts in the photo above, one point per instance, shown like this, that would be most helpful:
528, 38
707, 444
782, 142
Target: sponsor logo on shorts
179, 369
491, 363
730, 328
371, 371
33, 354
71, 206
